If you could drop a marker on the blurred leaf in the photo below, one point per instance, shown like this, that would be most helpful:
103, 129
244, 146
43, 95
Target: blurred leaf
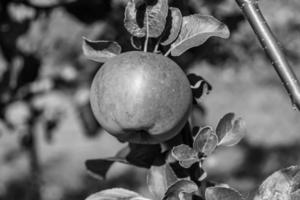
205, 141
283, 184
179, 189
199, 87
185, 155
222, 193
136, 42
153, 16
173, 26
100, 51
230, 131
159, 178
195, 30
116, 194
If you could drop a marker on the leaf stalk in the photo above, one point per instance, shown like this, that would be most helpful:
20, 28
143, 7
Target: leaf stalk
272, 48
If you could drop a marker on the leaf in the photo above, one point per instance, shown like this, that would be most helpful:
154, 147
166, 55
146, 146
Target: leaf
283, 184
206, 141
136, 42
159, 179
130, 20
222, 193
116, 194
224, 125
179, 190
185, 155
140, 15
195, 30
173, 26
100, 51
234, 134
199, 87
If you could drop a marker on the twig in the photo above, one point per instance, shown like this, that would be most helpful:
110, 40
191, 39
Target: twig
272, 48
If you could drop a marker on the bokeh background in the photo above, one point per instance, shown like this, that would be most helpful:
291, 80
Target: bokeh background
47, 130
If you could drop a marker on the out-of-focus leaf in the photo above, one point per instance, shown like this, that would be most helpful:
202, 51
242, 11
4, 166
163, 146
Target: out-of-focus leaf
195, 30
199, 87
185, 155
159, 179
181, 190
100, 51
136, 42
283, 184
173, 26
116, 194
222, 193
205, 141
152, 16
235, 134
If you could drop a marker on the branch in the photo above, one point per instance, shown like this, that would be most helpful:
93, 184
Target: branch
272, 48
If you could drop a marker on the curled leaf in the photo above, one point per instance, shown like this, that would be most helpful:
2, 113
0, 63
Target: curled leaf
116, 194
173, 26
159, 179
283, 184
195, 30
222, 193
140, 16
206, 141
230, 131
100, 51
185, 155
199, 87
179, 189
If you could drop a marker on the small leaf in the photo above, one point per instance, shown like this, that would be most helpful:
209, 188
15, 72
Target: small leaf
136, 42
206, 141
235, 134
153, 16
130, 20
195, 30
179, 189
100, 51
283, 184
185, 155
199, 87
116, 194
159, 179
173, 26
224, 125
222, 193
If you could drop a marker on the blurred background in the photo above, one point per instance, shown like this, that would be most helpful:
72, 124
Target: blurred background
47, 130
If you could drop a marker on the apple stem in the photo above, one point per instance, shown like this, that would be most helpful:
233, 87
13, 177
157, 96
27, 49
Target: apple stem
157, 46
147, 34
168, 52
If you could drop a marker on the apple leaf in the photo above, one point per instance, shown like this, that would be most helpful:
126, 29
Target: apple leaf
222, 193
159, 179
139, 15
195, 30
230, 131
283, 184
116, 194
185, 155
205, 141
100, 51
136, 42
181, 190
173, 26
199, 87
134, 154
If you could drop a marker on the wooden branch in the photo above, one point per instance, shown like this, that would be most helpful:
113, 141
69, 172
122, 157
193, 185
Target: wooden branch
272, 48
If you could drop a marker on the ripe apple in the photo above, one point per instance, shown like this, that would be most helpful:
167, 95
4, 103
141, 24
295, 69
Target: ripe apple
141, 97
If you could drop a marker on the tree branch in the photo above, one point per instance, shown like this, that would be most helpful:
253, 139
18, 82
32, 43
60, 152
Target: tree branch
272, 48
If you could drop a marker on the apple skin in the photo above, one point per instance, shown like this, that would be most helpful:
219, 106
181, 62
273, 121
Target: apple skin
141, 97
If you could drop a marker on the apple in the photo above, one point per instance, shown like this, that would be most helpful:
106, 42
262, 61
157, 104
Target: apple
141, 97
